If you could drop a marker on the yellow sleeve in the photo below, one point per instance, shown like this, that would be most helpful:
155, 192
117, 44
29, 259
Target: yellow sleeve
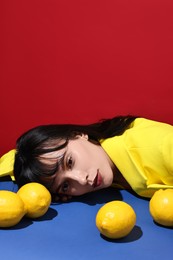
167, 151
7, 164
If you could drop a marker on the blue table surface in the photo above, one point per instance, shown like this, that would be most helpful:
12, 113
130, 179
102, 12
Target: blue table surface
68, 231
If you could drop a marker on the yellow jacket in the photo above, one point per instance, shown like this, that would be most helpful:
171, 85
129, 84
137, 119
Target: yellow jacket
144, 155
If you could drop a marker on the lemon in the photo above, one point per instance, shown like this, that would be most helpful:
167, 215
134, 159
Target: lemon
12, 208
161, 207
36, 198
115, 219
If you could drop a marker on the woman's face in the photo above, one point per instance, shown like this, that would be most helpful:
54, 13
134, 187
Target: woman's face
85, 168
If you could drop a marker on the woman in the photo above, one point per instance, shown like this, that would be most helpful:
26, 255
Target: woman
129, 152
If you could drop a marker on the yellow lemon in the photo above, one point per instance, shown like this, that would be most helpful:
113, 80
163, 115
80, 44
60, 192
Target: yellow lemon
161, 207
36, 198
12, 208
115, 219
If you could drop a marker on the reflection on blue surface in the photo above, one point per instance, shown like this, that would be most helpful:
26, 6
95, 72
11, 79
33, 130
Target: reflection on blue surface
68, 231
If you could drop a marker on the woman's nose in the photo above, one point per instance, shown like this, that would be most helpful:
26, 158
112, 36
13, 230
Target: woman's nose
79, 176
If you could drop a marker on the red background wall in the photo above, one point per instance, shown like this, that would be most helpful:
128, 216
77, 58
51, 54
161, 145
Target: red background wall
83, 60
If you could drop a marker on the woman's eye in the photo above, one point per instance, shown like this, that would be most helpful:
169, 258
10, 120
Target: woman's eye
65, 186
69, 162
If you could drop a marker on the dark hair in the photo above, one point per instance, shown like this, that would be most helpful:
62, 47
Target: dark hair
45, 138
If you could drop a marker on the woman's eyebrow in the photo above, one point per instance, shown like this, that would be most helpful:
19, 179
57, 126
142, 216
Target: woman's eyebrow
60, 166
48, 181
60, 162
58, 189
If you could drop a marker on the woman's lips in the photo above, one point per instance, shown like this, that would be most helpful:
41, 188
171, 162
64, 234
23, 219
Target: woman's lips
97, 180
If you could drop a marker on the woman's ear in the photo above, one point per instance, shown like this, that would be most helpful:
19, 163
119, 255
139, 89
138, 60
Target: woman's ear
83, 136
86, 137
